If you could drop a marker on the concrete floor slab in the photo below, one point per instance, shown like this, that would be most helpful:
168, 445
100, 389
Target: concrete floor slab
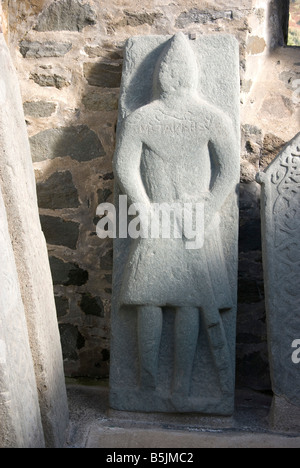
117, 438
93, 425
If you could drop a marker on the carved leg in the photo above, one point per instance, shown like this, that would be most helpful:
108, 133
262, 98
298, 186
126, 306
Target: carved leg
219, 348
186, 338
149, 338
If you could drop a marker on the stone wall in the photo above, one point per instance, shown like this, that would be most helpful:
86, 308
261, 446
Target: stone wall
68, 54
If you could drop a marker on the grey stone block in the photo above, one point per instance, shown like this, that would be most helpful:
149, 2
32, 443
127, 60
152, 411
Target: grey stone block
103, 75
60, 232
44, 49
50, 80
95, 101
71, 340
67, 273
20, 418
19, 193
92, 305
39, 109
103, 195
80, 143
201, 17
57, 17
62, 306
174, 309
58, 192
137, 19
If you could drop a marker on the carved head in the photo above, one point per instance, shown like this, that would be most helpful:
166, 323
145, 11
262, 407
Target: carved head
177, 69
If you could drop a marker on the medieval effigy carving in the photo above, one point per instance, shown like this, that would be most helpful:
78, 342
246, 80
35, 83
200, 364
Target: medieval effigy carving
177, 160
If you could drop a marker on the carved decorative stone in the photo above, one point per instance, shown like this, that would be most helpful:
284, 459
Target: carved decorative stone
280, 205
174, 301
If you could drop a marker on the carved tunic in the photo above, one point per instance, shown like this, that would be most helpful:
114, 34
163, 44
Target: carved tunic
176, 166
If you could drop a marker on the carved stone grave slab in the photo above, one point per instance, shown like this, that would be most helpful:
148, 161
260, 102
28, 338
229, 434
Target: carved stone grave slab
30, 251
20, 418
174, 297
280, 205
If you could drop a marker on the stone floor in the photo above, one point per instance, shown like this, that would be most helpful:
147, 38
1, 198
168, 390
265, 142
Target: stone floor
94, 426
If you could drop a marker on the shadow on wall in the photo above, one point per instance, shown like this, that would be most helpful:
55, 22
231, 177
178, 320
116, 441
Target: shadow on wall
278, 22
74, 175
252, 366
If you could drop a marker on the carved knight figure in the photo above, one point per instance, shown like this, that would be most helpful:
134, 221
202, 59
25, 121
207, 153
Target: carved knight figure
178, 149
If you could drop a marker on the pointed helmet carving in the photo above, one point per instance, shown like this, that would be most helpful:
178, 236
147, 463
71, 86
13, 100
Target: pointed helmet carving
177, 69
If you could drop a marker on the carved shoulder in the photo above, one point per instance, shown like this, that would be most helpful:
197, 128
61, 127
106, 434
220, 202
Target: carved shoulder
139, 116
